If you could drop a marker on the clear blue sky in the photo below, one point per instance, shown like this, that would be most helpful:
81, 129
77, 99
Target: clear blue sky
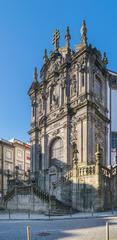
26, 28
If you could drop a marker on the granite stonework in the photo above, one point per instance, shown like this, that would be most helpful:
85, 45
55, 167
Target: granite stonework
70, 117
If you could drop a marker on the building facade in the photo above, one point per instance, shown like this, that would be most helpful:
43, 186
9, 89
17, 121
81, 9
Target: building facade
14, 155
70, 117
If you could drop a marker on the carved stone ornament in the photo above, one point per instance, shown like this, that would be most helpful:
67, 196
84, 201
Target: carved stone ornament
73, 135
82, 98
56, 132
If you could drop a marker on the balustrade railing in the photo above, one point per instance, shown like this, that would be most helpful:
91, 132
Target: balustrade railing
25, 190
109, 172
80, 171
88, 170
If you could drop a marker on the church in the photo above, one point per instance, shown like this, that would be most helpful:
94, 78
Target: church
70, 125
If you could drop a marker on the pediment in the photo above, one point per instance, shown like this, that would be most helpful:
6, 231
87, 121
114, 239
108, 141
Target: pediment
52, 66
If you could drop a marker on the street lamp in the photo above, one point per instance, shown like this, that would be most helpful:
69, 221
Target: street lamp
8, 178
29, 177
49, 196
17, 173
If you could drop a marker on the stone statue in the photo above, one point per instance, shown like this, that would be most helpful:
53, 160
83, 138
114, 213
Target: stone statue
75, 153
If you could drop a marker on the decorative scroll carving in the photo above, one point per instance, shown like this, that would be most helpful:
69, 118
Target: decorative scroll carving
82, 99
73, 136
109, 172
56, 132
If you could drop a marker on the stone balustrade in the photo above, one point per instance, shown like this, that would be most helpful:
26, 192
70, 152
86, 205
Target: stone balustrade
88, 170
109, 172
81, 171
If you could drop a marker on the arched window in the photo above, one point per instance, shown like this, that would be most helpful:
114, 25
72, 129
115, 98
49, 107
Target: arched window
56, 152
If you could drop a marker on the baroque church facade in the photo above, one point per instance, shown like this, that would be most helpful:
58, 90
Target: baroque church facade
70, 121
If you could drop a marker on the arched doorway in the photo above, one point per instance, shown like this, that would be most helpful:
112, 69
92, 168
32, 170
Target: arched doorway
56, 153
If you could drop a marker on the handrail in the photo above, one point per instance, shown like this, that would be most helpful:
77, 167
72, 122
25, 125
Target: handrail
26, 190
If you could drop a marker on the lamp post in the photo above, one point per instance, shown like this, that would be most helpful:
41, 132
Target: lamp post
16, 183
8, 178
16, 173
29, 177
49, 196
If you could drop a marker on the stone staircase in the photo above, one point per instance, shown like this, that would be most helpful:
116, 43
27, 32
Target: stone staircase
60, 209
48, 204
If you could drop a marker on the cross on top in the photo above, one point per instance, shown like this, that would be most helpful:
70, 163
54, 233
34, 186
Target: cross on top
56, 38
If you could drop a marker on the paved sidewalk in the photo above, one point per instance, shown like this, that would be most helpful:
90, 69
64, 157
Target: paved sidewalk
36, 216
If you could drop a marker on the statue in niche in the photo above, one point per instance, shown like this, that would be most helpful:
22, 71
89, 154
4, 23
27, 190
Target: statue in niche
54, 99
75, 153
73, 86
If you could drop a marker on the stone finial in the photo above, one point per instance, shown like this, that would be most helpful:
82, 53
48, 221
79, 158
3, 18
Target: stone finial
83, 32
67, 37
105, 59
45, 58
35, 75
56, 38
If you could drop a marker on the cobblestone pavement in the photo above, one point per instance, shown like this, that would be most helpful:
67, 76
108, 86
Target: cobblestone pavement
71, 229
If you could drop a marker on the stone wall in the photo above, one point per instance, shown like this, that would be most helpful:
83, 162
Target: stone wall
27, 202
